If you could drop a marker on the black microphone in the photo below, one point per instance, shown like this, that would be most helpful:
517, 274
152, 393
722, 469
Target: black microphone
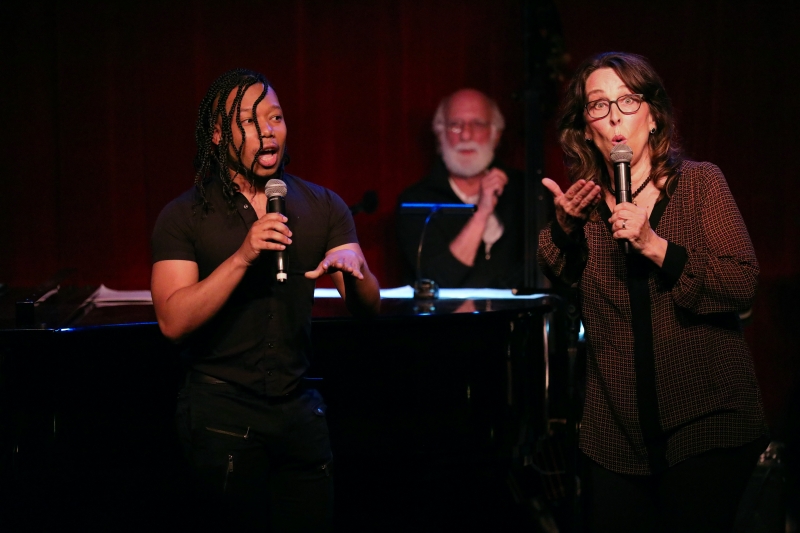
621, 156
276, 192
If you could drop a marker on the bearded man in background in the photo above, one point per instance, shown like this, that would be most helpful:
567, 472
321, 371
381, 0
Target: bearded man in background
485, 249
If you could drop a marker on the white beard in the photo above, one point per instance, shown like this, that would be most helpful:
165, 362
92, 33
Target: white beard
467, 165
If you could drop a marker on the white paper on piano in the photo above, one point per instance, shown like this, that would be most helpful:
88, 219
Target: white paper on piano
105, 297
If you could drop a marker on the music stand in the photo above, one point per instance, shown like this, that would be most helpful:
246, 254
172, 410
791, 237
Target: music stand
426, 288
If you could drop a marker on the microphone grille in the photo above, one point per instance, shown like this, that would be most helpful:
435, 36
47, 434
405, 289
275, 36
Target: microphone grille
621, 153
275, 188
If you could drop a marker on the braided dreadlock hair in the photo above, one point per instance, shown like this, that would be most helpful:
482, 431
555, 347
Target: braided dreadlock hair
213, 158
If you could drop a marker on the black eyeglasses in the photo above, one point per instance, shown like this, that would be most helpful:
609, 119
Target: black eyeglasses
627, 104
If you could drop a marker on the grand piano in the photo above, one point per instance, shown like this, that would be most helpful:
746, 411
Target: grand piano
438, 410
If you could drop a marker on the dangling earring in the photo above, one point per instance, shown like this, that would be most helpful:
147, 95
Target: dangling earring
653, 131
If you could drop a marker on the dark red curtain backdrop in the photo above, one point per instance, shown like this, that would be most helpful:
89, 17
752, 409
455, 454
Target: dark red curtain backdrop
104, 102
99, 102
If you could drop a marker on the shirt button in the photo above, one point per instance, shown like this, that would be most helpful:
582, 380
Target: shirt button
246, 206
271, 345
269, 372
270, 316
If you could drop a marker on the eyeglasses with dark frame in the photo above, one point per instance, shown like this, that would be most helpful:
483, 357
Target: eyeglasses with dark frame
627, 104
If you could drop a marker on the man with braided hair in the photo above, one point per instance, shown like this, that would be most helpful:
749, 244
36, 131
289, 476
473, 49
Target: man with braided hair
254, 432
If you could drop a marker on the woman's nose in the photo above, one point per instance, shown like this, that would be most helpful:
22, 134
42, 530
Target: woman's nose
615, 114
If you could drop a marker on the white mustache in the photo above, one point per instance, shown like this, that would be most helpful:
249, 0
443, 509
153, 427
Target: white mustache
467, 145
466, 164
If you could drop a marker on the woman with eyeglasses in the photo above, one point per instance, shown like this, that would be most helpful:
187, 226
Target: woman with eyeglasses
673, 422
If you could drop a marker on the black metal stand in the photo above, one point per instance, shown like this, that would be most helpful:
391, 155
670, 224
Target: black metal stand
424, 288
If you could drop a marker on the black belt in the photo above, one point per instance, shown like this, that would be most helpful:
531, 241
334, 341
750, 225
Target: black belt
199, 377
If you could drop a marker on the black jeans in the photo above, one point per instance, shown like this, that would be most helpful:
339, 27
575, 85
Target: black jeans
700, 494
260, 464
